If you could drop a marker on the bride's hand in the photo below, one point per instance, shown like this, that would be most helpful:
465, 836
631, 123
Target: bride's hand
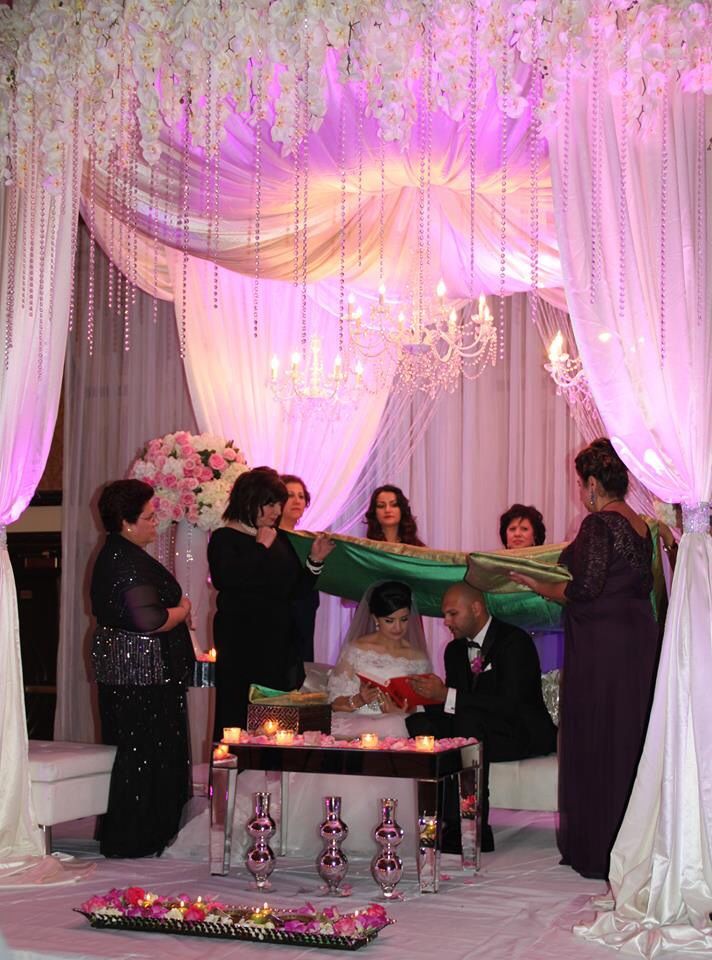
369, 692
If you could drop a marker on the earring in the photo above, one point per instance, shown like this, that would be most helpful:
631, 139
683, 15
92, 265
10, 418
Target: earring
592, 499
128, 529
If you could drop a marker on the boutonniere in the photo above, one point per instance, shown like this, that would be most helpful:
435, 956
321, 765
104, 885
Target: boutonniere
477, 665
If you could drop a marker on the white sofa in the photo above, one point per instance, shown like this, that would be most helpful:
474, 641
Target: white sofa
68, 781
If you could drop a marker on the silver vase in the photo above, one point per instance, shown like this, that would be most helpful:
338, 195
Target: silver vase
260, 858
387, 866
332, 863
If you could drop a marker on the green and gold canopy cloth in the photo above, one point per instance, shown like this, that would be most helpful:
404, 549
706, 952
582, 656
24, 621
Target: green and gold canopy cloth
355, 564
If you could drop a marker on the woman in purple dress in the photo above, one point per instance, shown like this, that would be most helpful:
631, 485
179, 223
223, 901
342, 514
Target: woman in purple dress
610, 659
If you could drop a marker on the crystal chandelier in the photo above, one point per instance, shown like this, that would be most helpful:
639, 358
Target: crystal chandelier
568, 374
308, 388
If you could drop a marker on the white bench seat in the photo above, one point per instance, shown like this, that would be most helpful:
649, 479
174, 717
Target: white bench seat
68, 781
530, 784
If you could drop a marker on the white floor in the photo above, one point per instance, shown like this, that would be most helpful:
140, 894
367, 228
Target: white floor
521, 906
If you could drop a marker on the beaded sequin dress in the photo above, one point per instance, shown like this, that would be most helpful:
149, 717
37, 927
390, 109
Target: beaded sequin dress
141, 679
610, 658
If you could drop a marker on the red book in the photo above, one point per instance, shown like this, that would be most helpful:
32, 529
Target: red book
399, 689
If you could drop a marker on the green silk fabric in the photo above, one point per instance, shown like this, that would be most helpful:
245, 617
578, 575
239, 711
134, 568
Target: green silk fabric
355, 564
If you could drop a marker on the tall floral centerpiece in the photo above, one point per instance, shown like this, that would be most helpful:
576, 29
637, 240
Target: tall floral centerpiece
192, 475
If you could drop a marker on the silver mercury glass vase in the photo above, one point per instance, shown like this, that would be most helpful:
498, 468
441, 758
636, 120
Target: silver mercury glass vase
260, 858
332, 863
387, 866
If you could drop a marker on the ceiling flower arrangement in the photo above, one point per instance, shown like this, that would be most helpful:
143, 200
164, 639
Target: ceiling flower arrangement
79, 68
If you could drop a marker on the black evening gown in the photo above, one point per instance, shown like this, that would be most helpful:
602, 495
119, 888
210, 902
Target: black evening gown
141, 680
255, 633
610, 660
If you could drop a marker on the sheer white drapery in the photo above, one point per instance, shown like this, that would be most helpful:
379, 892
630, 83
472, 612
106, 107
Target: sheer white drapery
42, 231
644, 329
115, 401
228, 371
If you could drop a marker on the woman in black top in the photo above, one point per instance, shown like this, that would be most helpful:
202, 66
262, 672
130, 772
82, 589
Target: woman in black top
142, 655
257, 575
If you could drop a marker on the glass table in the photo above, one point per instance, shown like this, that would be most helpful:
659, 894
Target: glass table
431, 770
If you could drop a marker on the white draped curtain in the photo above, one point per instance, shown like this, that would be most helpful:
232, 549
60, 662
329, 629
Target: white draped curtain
115, 400
33, 330
636, 266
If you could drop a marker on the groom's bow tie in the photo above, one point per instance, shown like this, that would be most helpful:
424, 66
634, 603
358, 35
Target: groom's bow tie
473, 644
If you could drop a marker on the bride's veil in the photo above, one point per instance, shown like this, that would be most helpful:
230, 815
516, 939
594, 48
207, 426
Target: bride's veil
364, 622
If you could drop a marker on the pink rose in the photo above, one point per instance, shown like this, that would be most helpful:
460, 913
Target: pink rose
182, 437
160, 460
165, 508
216, 461
205, 474
134, 894
192, 914
192, 514
186, 451
170, 481
229, 454
345, 926
177, 512
187, 499
187, 483
153, 448
167, 448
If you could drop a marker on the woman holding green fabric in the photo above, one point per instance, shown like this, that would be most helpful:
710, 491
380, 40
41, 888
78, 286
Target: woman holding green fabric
610, 658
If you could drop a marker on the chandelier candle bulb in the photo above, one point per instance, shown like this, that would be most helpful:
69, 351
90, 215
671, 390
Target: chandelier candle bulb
274, 365
440, 292
381, 294
425, 744
369, 741
284, 737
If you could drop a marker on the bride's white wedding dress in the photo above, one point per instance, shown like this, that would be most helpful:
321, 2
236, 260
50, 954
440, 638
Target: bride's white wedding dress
305, 792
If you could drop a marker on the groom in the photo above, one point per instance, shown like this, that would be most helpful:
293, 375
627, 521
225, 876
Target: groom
492, 691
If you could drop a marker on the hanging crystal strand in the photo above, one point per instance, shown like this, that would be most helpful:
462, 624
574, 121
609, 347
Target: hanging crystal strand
207, 168
12, 193
111, 175
219, 119
258, 192
421, 215
504, 160
92, 242
566, 134
40, 283
306, 115
31, 246
296, 167
700, 246
596, 153
132, 138
534, 144
76, 173
153, 204
185, 221
381, 210
472, 124
360, 111
342, 231
623, 180
428, 118
664, 174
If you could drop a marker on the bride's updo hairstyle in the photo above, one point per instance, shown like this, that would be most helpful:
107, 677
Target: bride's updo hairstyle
389, 596
600, 461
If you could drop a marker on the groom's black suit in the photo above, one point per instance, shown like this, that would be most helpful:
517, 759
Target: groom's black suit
502, 706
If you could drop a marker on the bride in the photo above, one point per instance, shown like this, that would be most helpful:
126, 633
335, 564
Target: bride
385, 640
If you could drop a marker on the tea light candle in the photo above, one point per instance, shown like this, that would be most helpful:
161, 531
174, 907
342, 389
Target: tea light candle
425, 744
231, 734
221, 752
212, 655
284, 737
270, 727
369, 740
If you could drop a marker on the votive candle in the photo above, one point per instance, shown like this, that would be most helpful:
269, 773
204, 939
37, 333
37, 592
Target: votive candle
231, 734
284, 737
221, 752
369, 741
270, 727
425, 743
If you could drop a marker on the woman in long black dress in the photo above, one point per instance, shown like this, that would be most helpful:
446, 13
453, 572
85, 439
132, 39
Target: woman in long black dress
306, 602
142, 656
610, 658
257, 574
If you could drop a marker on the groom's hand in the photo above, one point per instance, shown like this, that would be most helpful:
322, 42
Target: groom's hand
430, 687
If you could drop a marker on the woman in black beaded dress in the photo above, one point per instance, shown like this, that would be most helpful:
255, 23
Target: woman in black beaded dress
142, 656
258, 576
610, 660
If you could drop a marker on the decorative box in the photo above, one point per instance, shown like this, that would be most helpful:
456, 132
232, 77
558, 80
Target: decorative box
312, 716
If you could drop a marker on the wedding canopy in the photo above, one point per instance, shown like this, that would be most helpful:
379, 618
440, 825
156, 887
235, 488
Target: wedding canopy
252, 162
